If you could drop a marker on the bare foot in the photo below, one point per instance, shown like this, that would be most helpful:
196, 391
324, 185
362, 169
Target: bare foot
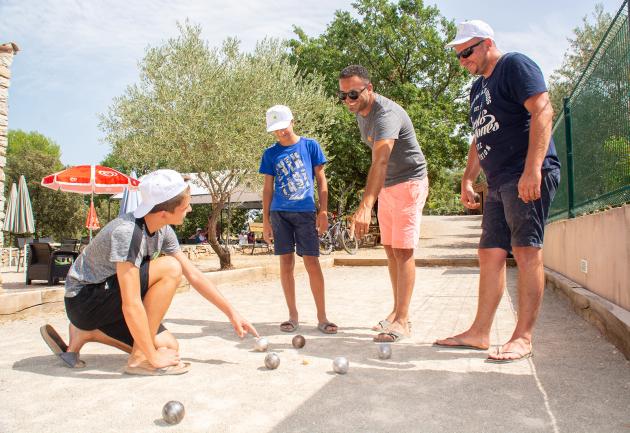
465, 340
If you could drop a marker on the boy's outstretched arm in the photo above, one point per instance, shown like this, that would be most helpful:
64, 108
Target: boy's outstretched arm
207, 289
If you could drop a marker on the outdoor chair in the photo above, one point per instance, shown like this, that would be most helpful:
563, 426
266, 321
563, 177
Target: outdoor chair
70, 245
46, 264
21, 242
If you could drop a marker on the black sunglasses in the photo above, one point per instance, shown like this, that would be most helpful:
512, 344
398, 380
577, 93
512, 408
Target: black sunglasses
352, 94
467, 52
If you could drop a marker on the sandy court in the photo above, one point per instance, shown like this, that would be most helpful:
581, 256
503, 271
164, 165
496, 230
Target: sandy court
577, 382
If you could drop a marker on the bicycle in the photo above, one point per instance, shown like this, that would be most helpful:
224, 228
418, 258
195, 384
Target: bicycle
337, 237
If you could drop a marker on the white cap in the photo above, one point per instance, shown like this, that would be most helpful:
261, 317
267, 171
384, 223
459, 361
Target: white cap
471, 29
278, 117
157, 187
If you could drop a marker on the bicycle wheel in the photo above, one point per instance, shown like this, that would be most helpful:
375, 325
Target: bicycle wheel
350, 245
325, 244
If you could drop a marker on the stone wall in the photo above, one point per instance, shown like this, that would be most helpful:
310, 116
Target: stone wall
7, 51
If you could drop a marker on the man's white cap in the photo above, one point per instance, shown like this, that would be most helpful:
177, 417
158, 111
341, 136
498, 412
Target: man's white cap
157, 187
471, 29
278, 117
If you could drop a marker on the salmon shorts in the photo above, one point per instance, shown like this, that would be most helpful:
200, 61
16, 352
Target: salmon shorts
400, 212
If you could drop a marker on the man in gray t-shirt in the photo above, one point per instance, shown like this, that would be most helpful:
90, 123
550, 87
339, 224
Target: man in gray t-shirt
120, 287
398, 177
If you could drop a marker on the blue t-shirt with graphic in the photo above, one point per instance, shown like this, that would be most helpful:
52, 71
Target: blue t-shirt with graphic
500, 120
292, 169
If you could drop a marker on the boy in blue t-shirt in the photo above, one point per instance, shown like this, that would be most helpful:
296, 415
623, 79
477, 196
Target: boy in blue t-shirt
290, 216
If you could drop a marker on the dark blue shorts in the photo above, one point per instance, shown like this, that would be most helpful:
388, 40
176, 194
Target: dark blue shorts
291, 229
99, 306
510, 222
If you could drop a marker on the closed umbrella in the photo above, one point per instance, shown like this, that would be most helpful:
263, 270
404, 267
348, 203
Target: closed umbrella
25, 220
9, 213
91, 221
130, 199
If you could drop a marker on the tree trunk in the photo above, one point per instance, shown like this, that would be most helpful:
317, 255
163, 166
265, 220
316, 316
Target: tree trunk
225, 258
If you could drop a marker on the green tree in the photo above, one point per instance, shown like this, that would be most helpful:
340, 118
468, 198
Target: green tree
57, 214
202, 110
581, 49
402, 44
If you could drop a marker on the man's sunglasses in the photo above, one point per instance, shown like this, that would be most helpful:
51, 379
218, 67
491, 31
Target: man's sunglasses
352, 94
467, 52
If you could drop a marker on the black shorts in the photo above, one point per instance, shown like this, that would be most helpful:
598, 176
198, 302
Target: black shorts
295, 231
99, 306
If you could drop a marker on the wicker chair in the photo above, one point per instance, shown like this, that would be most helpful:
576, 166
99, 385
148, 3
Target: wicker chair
44, 263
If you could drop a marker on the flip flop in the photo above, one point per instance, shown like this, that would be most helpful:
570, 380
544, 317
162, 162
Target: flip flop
325, 327
390, 337
145, 369
458, 345
384, 324
289, 326
54, 341
521, 357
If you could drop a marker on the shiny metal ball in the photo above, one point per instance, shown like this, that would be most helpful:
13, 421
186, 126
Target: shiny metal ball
173, 412
261, 344
298, 341
384, 350
272, 361
341, 365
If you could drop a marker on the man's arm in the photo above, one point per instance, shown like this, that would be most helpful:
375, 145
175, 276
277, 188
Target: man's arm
322, 196
381, 151
136, 317
207, 289
470, 175
266, 199
541, 111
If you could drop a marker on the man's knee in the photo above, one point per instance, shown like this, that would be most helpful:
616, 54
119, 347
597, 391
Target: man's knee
402, 254
528, 257
165, 267
492, 257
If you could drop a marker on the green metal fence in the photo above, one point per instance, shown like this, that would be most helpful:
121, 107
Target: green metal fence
592, 135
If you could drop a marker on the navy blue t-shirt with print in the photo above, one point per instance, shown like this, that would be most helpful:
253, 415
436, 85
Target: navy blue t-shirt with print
500, 120
292, 169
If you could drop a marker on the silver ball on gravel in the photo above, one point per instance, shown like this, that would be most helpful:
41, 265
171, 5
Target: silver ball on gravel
173, 412
272, 361
261, 344
298, 341
384, 350
341, 365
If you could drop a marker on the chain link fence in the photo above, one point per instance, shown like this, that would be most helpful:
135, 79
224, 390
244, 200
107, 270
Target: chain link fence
592, 136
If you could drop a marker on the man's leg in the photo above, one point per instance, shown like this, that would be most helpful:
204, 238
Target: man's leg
491, 287
392, 267
287, 266
405, 265
164, 277
316, 281
531, 286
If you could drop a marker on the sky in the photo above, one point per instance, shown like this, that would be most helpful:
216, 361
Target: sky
78, 55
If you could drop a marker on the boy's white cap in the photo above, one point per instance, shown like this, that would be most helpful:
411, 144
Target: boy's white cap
157, 187
278, 117
471, 29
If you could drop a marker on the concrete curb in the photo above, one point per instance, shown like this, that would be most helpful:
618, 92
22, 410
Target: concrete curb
464, 262
610, 319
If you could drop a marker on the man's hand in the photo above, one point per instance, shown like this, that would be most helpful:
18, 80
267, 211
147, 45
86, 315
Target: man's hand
322, 222
242, 326
529, 185
164, 357
360, 221
468, 197
267, 232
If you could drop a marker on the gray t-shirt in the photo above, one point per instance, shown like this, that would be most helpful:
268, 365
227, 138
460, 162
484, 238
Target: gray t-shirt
388, 120
124, 239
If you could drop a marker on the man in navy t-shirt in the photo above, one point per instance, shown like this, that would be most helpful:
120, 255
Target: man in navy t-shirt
511, 118
290, 216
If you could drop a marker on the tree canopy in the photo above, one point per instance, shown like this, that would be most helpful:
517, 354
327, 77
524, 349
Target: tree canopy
402, 44
201, 109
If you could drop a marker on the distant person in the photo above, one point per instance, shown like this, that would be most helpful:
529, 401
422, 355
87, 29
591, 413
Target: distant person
511, 117
198, 237
290, 216
120, 287
398, 178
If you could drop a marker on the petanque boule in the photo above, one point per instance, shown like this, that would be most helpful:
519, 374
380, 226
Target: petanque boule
340, 365
298, 341
384, 350
272, 361
173, 412
261, 344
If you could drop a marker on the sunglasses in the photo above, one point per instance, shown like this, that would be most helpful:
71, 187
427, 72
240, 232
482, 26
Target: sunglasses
467, 52
352, 94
